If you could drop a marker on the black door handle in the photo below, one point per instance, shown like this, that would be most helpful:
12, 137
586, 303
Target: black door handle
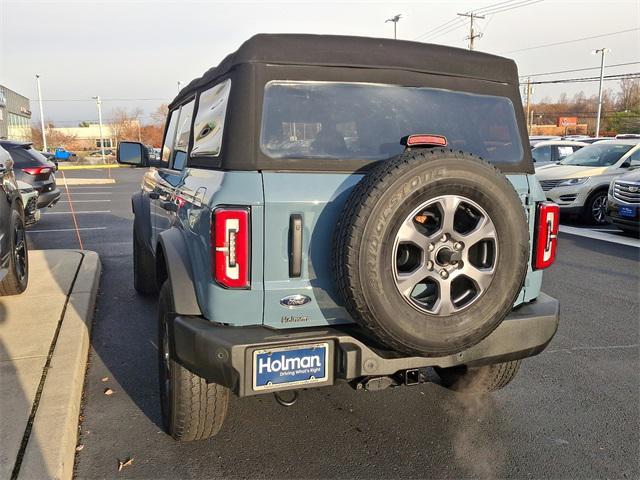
295, 245
154, 195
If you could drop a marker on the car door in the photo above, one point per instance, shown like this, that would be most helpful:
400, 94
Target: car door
170, 178
156, 179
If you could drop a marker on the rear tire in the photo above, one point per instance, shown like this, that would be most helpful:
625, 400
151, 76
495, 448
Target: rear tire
192, 409
144, 271
478, 380
17, 277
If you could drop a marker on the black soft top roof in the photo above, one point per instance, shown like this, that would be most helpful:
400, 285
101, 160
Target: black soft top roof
358, 52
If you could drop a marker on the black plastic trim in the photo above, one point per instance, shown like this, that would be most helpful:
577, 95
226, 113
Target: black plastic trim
222, 354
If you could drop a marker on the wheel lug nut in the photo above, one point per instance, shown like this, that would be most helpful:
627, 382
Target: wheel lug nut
430, 247
444, 274
457, 246
429, 265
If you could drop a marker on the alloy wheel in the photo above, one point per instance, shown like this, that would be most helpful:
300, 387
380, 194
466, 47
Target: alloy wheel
445, 254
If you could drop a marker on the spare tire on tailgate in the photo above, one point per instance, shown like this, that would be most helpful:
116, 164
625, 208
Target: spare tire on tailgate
431, 251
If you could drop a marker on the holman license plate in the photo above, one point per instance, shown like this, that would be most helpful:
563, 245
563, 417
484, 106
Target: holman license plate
624, 211
292, 365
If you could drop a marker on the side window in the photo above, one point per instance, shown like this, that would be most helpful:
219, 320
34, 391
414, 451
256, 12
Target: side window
182, 136
209, 122
169, 138
541, 154
634, 159
564, 151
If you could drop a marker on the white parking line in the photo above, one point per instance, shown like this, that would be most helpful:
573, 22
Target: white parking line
92, 193
597, 235
66, 230
83, 201
77, 213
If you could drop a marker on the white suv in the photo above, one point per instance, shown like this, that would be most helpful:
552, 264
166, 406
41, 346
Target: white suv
579, 183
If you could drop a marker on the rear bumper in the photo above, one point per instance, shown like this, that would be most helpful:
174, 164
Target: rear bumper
224, 354
47, 199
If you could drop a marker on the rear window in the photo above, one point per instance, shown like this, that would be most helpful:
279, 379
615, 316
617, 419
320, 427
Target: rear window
24, 157
359, 121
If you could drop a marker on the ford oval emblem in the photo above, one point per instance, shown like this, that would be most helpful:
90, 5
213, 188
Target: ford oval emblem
294, 301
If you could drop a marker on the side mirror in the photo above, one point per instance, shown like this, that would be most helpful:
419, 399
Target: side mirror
626, 164
133, 153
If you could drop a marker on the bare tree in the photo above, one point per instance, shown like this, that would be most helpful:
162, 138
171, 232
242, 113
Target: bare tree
125, 124
629, 95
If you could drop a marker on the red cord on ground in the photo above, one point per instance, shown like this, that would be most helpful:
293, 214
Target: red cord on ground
73, 213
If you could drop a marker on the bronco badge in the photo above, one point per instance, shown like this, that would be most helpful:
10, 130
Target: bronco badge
294, 301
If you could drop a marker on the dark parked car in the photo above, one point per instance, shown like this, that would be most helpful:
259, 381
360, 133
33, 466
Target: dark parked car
623, 202
14, 258
309, 223
33, 168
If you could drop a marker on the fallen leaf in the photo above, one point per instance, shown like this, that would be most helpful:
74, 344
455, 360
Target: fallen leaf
104, 379
126, 463
79, 448
108, 391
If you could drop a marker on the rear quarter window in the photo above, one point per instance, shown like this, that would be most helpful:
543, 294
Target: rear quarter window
360, 121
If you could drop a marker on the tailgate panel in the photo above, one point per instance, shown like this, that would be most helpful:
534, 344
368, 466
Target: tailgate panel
318, 198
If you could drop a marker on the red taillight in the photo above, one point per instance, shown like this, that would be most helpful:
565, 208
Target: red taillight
546, 235
36, 170
230, 247
426, 141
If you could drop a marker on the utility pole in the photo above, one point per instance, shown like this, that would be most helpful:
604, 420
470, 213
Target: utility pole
44, 134
529, 122
395, 19
472, 35
99, 103
603, 52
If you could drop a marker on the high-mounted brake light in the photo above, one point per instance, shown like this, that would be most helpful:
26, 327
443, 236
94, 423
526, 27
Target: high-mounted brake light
230, 247
425, 140
36, 170
546, 235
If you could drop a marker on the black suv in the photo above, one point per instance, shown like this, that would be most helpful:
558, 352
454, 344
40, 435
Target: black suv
32, 167
14, 262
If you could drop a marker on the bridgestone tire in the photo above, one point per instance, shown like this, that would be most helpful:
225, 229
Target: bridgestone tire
364, 242
478, 380
14, 282
192, 409
144, 274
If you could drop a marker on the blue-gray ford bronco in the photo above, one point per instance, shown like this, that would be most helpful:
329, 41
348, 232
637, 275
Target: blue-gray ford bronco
335, 209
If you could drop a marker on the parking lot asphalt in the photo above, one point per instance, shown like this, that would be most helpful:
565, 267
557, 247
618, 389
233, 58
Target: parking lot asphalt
572, 412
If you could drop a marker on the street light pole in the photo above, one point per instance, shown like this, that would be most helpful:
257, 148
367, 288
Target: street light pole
44, 135
99, 103
603, 52
395, 19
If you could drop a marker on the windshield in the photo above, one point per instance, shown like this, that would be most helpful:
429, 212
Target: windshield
598, 155
303, 120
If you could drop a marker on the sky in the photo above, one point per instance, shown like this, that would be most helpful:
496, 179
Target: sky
134, 53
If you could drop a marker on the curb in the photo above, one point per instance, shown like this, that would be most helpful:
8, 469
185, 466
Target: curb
50, 452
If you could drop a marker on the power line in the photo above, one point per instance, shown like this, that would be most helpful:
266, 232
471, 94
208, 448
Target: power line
452, 25
618, 76
524, 3
578, 70
571, 41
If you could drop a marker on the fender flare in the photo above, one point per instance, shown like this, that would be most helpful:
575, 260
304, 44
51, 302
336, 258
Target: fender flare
141, 208
179, 272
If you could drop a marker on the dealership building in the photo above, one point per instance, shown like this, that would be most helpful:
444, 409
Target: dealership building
15, 115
